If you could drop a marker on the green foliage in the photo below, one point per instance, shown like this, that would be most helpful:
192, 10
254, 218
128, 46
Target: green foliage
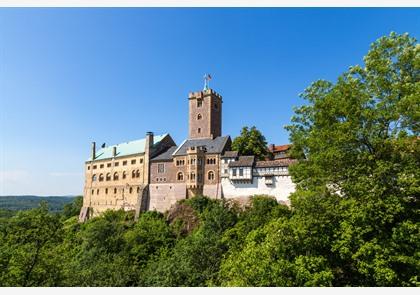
73, 208
251, 142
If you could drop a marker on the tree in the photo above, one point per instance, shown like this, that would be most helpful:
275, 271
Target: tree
28, 255
360, 140
73, 209
251, 142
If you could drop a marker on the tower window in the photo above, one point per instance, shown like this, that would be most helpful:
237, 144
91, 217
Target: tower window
199, 130
211, 175
216, 106
199, 103
180, 176
199, 117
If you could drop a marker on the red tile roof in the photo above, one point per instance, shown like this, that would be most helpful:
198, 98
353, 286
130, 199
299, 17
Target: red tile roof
281, 148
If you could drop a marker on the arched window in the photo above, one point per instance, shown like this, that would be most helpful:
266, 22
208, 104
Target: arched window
211, 175
192, 176
93, 192
133, 174
124, 175
108, 176
131, 190
115, 190
101, 177
199, 117
138, 189
94, 177
199, 130
180, 176
138, 173
97, 191
116, 176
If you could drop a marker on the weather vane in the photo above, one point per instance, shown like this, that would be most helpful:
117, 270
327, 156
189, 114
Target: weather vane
207, 79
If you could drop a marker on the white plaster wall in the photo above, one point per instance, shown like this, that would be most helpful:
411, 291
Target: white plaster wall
281, 188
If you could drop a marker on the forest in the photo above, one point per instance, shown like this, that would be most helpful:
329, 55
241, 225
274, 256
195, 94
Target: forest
353, 220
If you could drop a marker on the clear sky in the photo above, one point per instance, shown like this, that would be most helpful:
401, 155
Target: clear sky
72, 76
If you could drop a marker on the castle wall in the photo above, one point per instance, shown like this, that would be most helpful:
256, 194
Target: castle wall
163, 196
281, 188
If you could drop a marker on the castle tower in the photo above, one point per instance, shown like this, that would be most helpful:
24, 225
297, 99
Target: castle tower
205, 114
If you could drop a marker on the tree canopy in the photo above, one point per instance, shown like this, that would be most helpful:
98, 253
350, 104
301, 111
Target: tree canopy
251, 142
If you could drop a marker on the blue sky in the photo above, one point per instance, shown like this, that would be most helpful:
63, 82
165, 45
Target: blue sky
72, 76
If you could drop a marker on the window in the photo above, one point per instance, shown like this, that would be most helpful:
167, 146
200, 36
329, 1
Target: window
198, 176
93, 192
124, 175
180, 176
94, 177
94, 167
192, 176
199, 130
161, 168
108, 176
116, 164
138, 173
241, 172
216, 106
97, 191
133, 162
226, 171
234, 172
108, 165
115, 190
101, 166
211, 161
199, 103
124, 163
141, 161
210, 175
115, 176
138, 189
106, 191
199, 117
101, 177
88, 167
133, 174
131, 190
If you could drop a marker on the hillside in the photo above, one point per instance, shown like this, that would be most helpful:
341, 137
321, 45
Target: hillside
55, 203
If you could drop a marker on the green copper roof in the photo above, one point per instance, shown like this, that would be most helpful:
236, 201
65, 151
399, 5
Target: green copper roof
126, 148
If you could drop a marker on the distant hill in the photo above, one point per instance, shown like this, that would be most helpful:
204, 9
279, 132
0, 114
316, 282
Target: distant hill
55, 203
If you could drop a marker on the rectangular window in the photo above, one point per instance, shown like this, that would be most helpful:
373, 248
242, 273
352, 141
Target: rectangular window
241, 172
226, 171
141, 161
199, 103
94, 167
234, 172
88, 167
133, 162
108, 165
101, 166
161, 168
116, 164
124, 163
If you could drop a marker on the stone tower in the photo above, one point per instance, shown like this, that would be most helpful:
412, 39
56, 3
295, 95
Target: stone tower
205, 116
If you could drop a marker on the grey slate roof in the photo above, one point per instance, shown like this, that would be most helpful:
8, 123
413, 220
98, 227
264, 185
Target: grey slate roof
213, 146
165, 156
230, 154
243, 161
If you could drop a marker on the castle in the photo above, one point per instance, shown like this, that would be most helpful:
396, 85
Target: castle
153, 173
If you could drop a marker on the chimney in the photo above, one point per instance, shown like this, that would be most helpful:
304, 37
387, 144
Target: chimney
114, 151
149, 142
271, 147
93, 151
